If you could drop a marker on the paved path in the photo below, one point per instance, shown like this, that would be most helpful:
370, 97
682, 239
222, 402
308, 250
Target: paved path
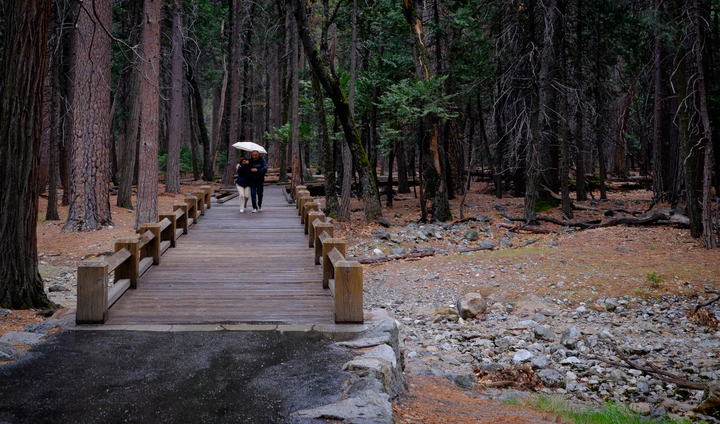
173, 377
233, 268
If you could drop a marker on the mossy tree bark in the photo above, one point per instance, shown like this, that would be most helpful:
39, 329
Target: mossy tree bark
333, 89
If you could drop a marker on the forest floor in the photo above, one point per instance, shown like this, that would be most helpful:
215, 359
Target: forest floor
557, 272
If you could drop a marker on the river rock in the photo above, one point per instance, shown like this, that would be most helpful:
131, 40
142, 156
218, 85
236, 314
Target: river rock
487, 244
471, 235
522, 355
366, 407
21, 338
551, 378
471, 304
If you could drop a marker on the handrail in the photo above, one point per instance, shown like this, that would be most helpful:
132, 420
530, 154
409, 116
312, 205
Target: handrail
343, 278
132, 257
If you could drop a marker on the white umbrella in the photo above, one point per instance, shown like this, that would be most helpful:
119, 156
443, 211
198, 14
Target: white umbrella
249, 146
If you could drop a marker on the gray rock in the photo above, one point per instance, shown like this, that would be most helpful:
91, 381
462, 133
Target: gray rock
398, 251
471, 235
482, 218
384, 222
504, 342
543, 332
522, 355
470, 305
487, 244
21, 338
540, 362
528, 323
643, 387
5, 312
610, 305
382, 234
422, 236
505, 242
571, 360
58, 288
44, 327
462, 380
366, 341
570, 337
491, 366
551, 378
383, 352
8, 352
367, 407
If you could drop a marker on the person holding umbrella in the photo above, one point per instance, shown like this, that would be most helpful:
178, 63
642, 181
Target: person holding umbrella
258, 168
243, 182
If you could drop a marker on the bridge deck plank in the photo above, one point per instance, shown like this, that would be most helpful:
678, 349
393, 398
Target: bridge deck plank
233, 268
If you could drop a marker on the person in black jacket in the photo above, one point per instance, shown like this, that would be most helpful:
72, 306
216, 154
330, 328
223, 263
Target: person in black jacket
243, 182
258, 168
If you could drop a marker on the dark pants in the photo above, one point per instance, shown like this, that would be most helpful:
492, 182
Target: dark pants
256, 194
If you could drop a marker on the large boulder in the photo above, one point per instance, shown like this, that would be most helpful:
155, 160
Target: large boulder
470, 305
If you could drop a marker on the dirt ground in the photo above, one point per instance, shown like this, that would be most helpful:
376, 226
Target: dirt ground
436, 400
575, 266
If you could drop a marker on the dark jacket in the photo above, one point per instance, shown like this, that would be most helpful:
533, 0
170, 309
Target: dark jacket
261, 166
243, 179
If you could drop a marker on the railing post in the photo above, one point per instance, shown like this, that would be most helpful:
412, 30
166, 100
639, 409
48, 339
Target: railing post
92, 293
183, 220
200, 196
153, 246
313, 216
300, 195
192, 208
348, 291
169, 233
208, 195
328, 270
321, 227
298, 189
302, 201
307, 207
130, 269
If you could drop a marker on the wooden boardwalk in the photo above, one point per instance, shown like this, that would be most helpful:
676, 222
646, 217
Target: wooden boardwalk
233, 268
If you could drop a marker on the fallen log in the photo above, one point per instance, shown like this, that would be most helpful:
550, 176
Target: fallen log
380, 259
650, 219
529, 228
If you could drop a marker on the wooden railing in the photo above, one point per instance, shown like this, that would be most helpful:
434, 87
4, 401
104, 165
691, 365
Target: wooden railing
133, 257
344, 278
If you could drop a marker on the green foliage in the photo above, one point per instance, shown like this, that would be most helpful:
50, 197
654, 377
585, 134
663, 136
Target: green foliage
405, 103
609, 413
654, 279
185, 160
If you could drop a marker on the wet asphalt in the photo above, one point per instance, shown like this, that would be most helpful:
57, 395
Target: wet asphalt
163, 377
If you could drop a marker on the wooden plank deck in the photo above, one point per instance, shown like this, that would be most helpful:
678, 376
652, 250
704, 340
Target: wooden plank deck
233, 268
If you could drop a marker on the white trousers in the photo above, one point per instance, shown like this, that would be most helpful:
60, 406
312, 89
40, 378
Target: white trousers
244, 193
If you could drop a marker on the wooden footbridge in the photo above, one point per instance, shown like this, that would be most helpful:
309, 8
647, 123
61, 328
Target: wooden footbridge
219, 266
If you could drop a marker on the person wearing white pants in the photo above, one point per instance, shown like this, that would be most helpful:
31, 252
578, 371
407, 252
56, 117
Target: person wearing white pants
243, 182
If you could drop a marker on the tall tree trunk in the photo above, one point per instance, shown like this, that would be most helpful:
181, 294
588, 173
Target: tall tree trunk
147, 198
389, 186
564, 118
532, 173
200, 117
54, 128
23, 65
235, 74
275, 105
659, 108
194, 145
402, 166
433, 178
90, 101
328, 159
129, 154
295, 165
700, 15
332, 87
579, 116
218, 109
172, 173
